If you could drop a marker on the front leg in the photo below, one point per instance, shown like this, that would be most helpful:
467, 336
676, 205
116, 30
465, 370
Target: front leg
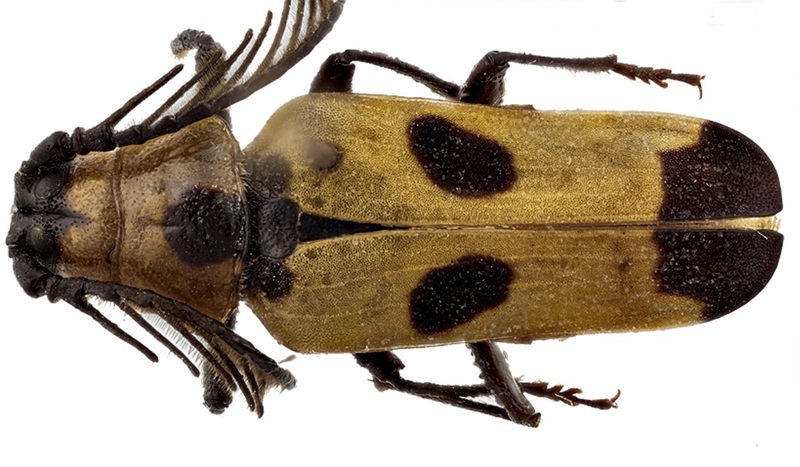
336, 73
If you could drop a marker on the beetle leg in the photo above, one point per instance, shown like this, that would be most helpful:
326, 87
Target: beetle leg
336, 73
486, 83
385, 369
498, 380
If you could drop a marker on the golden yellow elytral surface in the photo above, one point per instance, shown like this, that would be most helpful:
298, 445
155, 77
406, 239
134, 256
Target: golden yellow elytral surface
572, 167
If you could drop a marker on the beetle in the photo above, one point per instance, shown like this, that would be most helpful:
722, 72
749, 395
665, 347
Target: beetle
456, 222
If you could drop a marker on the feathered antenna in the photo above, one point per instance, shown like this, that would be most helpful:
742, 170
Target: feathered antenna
220, 82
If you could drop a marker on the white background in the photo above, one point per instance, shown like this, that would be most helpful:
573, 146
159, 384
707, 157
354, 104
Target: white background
723, 392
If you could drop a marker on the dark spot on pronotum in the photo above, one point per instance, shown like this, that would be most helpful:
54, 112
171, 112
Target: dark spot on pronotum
724, 175
453, 295
723, 269
459, 161
206, 226
269, 276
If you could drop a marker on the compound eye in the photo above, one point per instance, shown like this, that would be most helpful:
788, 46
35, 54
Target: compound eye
49, 151
42, 242
50, 183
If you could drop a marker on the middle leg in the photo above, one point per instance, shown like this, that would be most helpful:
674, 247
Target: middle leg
385, 369
501, 383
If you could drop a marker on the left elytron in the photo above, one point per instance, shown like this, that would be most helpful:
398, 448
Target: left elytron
363, 224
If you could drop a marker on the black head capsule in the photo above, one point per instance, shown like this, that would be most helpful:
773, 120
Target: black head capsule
40, 213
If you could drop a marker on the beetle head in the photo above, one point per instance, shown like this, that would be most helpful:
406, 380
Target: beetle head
51, 190
31, 239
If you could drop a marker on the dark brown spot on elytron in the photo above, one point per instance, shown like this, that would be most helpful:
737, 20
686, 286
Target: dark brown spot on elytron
724, 175
269, 276
453, 295
459, 161
723, 269
206, 226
